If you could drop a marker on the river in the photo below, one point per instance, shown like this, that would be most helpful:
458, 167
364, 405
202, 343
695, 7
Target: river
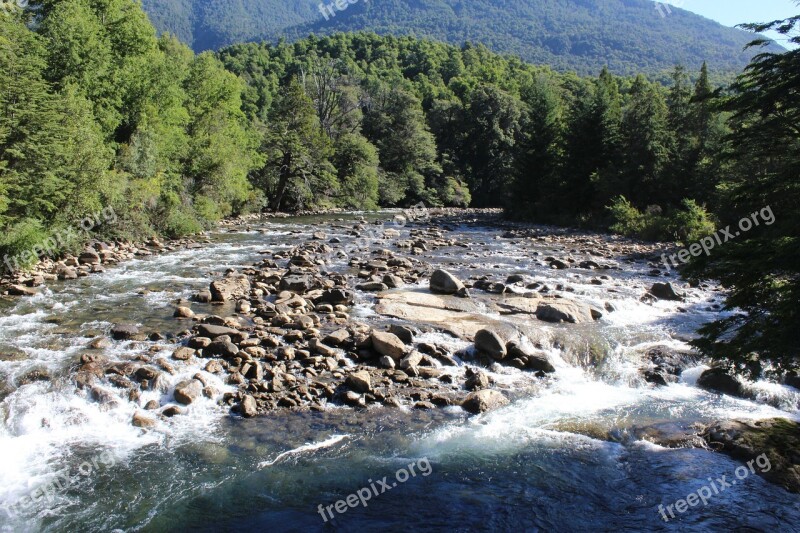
535, 464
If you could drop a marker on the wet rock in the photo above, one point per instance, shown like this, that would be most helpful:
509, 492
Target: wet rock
203, 297
443, 282
386, 362
248, 408
476, 380
123, 332
792, 379
392, 281
360, 382
20, 290
666, 364
188, 391
425, 405
100, 343
411, 361
373, 286
484, 400
388, 344
171, 410
183, 312
665, 291
531, 361
234, 286
212, 332
770, 446
564, 311
490, 343
184, 353
718, 380
222, 349
404, 333
354, 399
34, 281
337, 297
298, 283
338, 337
143, 420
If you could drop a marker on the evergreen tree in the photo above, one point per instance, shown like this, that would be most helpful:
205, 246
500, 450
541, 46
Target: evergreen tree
761, 267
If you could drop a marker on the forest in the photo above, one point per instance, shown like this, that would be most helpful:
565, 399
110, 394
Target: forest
98, 111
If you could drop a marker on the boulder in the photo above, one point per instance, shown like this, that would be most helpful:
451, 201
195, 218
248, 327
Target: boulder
718, 380
404, 333
564, 311
476, 380
202, 297
222, 349
392, 281
234, 286
299, 283
443, 282
183, 353
248, 408
337, 297
359, 382
484, 400
665, 291
372, 286
532, 361
410, 361
388, 344
143, 420
89, 257
67, 273
491, 344
188, 391
338, 337
213, 331
20, 290
769, 445
183, 312
123, 332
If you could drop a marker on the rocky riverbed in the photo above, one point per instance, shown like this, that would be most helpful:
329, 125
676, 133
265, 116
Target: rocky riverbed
437, 320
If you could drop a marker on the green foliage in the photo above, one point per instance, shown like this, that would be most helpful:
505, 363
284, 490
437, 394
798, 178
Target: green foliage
97, 112
761, 268
686, 224
356, 161
19, 240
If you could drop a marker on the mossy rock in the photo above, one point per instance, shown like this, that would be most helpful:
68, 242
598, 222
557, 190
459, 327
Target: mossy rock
745, 440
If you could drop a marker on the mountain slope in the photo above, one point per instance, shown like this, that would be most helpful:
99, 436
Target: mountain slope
582, 35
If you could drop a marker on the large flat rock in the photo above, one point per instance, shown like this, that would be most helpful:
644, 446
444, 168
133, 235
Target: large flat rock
457, 316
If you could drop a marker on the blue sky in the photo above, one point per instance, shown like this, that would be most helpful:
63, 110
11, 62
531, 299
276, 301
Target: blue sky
733, 12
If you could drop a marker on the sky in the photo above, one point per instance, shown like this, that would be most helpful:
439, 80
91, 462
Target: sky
733, 12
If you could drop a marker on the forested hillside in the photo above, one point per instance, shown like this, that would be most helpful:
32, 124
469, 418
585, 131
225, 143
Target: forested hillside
629, 36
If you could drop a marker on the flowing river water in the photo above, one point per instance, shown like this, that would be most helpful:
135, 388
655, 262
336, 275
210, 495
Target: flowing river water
563, 456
